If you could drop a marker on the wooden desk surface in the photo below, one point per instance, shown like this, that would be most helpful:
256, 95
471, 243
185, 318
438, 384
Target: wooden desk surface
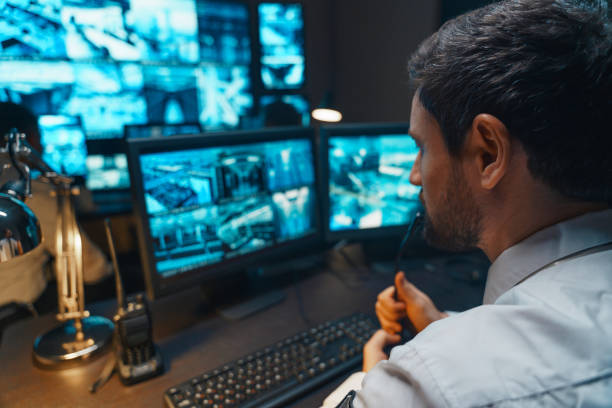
191, 342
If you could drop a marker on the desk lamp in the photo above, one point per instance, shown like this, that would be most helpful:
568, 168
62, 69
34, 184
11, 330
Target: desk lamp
80, 336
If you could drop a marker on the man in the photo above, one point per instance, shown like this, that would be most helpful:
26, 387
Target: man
512, 115
23, 278
9, 246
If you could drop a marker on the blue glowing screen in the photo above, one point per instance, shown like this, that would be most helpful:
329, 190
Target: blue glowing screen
208, 205
107, 172
224, 95
281, 33
224, 32
106, 96
171, 93
125, 30
299, 102
369, 183
63, 143
156, 131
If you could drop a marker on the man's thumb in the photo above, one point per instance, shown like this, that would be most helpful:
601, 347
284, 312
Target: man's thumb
405, 290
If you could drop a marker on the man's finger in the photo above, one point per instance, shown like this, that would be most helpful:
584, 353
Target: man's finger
391, 314
381, 338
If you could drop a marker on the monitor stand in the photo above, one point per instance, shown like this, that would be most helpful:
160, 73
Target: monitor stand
253, 305
258, 288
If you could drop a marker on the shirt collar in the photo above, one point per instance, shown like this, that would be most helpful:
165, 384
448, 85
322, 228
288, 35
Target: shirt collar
544, 247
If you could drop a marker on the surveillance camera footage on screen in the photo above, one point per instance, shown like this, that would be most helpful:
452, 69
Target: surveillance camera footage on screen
369, 183
210, 204
281, 33
63, 143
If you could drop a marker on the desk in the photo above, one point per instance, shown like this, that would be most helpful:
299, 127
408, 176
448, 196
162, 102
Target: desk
193, 341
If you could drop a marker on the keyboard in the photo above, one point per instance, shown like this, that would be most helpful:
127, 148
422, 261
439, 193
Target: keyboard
281, 372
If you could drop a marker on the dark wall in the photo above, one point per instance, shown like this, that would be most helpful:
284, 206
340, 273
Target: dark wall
372, 41
358, 50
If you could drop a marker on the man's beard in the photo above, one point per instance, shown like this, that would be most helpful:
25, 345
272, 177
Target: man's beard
456, 226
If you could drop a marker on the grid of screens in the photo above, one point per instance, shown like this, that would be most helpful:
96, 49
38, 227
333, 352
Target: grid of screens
211, 204
63, 143
369, 183
115, 63
281, 34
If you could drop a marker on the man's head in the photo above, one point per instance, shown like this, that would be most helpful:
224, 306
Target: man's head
22, 119
527, 76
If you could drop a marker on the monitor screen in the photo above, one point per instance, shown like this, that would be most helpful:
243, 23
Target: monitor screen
32, 29
281, 34
107, 172
224, 32
63, 143
224, 94
106, 96
126, 30
161, 130
368, 179
222, 199
131, 30
171, 93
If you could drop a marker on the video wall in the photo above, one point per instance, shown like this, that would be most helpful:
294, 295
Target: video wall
207, 205
110, 63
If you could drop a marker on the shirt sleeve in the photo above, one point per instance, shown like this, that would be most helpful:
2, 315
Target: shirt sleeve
353, 383
402, 381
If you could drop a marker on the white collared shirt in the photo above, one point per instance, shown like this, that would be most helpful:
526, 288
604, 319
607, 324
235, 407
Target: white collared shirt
541, 340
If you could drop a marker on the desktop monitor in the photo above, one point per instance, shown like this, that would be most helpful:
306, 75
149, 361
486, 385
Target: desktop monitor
107, 171
281, 35
365, 180
213, 204
155, 130
63, 142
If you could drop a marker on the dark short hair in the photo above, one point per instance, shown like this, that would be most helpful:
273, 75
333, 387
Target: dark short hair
17, 116
279, 113
544, 68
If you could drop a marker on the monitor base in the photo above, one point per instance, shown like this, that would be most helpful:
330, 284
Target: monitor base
253, 305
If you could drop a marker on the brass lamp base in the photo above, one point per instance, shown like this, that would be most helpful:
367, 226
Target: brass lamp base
60, 348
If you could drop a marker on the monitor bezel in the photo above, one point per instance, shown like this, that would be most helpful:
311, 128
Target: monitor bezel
352, 130
157, 286
126, 128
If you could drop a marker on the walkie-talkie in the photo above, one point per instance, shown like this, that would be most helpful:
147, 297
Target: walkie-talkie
137, 357
408, 330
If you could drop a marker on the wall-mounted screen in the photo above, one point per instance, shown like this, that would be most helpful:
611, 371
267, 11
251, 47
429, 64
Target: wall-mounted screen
106, 96
281, 34
224, 32
107, 172
224, 95
63, 143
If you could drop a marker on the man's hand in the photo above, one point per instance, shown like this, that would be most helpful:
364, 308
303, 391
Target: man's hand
373, 349
411, 302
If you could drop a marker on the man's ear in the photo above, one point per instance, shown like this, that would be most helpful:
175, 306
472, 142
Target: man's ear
489, 144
